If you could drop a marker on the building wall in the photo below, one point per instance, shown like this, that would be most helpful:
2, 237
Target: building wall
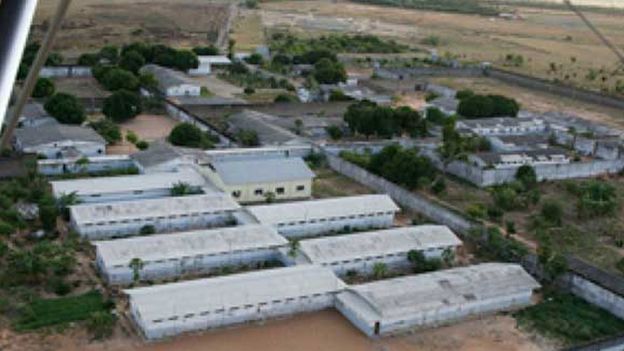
53, 150
232, 316
365, 265
65, 71
178, 112
596, 295
177, 266
125, 196
248, 191
436, 317
309, 228
111, 229
184, 90
96, 164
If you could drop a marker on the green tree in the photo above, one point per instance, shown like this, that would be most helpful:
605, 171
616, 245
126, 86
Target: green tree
185, 60
65, 108
132, 61
122, 105
248, 137
206, 50
88, 59
101, 324
108, 130
476, 106
327, 71
526, 175
552, 212
334, 132
254, 59
119, 79
186, 134
380, 270
136, 264
110, 53
148, 81
43, 88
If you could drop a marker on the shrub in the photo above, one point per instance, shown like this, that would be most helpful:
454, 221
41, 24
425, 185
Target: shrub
334, 132
597, 198
5, 228
101, 324
43, 88
552, 212
248, 137
438, 186
142, 144
147, 229
206, 50
65, 108
285, 98
338, 95
327, 71
476, 211
108, 130
526, 175
186, 134
254, 59
435, 116
249, 91
464, 94
122, 105
422, 264
132, 137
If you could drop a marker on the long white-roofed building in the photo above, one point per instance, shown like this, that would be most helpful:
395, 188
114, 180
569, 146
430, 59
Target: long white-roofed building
171, 309
172, 255
318, 217
132, 187
432, 299
360, 252
169, 214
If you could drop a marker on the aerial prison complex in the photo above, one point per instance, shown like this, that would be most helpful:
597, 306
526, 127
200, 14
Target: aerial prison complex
143, 231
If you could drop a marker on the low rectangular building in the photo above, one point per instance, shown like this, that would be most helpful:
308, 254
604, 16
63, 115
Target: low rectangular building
251, 181
124, 188
172, 255
359, 252
171, 309
432, 299
54, 140
549, 156
170, 214
502, 126
318, 217
207, 64
171, 82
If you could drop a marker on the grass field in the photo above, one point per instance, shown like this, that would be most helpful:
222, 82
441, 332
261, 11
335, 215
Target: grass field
543, 37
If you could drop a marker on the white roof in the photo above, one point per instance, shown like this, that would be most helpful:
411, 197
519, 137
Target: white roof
383, 242
326, 208
406, 296
271, 170
199, 242
167, 206
214, 59
122, 184
196, 296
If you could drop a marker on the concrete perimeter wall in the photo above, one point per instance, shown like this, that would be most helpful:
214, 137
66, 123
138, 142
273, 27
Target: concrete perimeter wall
180, 113
65, 71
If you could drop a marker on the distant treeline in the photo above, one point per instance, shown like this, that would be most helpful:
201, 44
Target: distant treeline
459, 6
554, 5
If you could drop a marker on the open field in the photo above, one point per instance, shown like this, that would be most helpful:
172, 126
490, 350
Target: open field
81, 87
90, 24
147, 127
542, 37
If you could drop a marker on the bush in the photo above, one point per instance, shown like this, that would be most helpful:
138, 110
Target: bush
338, 95
476, 211
327, 71
6, 229
552, 212
187, 134
206, 50
249, 91
132, 61
481, 106
285, 98
43, 88
334, 132
147, 230
254, 59
108, 130
597, 198
248, 138
65, 108
464, 94
438, 186
435, 116
526, 175
132, 137
142, 144
101, 324
122, 105
88, 59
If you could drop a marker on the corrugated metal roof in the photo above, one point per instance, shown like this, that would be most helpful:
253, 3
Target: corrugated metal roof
326, 208
383, 242
157, 153
119, 184
405, 296
168, 206
199, 242
196, 296
167, 77
263, 171
50, 133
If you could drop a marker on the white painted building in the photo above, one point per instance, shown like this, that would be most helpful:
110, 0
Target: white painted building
432, 299
54, 140
169, 214
502, 126
171, 309
132, 187
318, 217
549, 156
251, 181
94, 164
207, 64
171, 82
360, 252
172, 255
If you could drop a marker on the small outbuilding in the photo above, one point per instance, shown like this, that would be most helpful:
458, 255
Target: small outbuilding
173, 255
318, 217
248, 181
171, 309
207, 64
169, 214
360, 252
432, 299
172, 82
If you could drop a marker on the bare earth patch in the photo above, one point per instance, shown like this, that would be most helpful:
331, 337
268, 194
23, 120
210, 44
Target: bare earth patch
146, 127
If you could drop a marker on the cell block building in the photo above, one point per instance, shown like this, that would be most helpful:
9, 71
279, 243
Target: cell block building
124, 188
172, 255
424, 300
359, 252
169, 214
171, 309
318, 217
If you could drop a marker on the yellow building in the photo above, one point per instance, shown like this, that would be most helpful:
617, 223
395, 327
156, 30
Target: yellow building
251, 181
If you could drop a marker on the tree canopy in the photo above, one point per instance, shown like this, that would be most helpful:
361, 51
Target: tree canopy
189, 135
43, 88
327, 71
485, 106
65, 108
367, 118
122, 105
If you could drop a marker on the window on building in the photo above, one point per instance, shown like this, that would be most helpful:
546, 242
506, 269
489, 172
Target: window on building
258, 192
279, 190
236, 193
300, 187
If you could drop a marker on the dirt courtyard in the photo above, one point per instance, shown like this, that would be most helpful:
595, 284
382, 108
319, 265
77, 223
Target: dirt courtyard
147, 127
